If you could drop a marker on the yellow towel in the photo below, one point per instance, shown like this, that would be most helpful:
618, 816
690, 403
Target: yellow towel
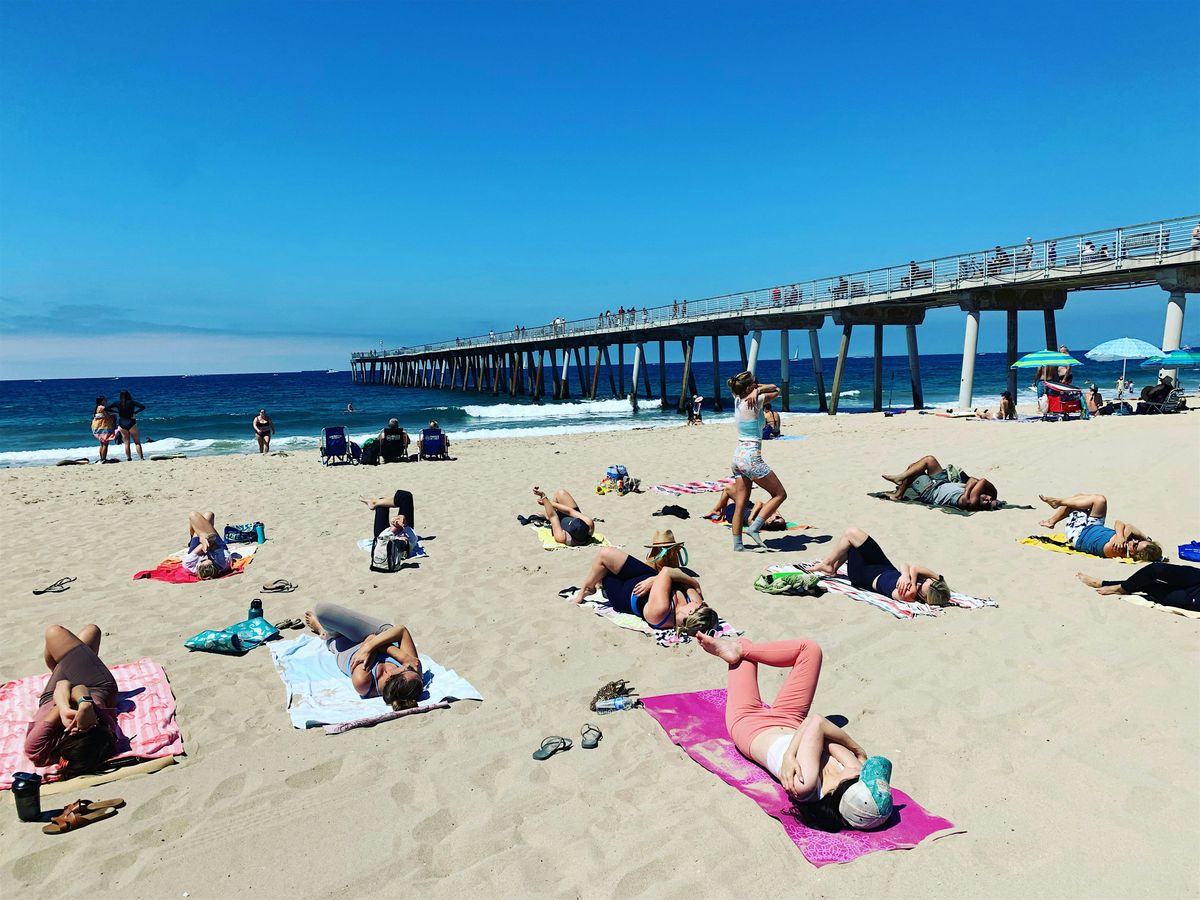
546, 536
1058, 543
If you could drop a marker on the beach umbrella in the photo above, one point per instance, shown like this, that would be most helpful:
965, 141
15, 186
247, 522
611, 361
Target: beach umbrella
1045, 358
1124, 349
1176, 359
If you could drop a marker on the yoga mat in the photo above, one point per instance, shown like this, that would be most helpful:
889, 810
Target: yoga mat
696, 722
950, 510
1058, 544
664, 637
546, 536
901, 609
693, 487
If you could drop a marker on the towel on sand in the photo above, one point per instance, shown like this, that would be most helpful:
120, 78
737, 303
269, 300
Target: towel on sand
696, 722
1058, 543
546, 536
171, 569
145, 719
950, 510
664, 637
319, 694
898, 608
693, 487
767, 532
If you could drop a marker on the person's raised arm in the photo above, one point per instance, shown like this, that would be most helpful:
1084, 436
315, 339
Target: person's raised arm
678, 576
397, 634
1127, 531
765, 393
915, 572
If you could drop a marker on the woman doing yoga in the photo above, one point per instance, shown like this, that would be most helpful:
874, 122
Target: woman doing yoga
797, 748
1164, 583
76, 721
749, 398
726, 507
126, 410
658, 589
379, 658
568, 525
869, 569
207, 554
1086, 532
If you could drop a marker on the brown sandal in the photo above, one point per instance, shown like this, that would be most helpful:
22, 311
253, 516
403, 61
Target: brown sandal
81, 813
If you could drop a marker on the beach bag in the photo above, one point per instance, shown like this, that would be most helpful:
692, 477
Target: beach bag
241, 534
356, 452
389, 553
234, 640
370, 453
616, 473
1190, 551
801, 583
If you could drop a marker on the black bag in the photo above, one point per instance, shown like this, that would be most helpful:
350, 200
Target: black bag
389, 553
370, 454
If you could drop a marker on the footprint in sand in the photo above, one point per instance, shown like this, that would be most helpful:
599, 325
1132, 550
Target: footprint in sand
154, 805
233, 786
34, 868
316, 775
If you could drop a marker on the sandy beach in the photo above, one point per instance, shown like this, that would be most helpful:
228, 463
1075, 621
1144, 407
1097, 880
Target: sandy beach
1060, 731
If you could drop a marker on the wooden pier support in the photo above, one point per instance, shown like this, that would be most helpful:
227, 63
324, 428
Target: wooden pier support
580, 368
1051, 331
595, 374
742, 349
785, 374
837, 372
716, 367
687, 373
662, 374
877, 371
814, 348
1012, 352
621, 367
612, 382
914, 367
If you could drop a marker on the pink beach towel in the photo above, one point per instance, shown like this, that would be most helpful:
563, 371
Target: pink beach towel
172, 570
693, 487
696, 722
145, 718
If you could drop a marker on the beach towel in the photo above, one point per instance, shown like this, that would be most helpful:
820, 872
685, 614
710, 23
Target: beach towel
1058, 543
171, 569
319, 694
693, 487
696, 722
766, 532
900, 609
950, 510
546, 536
145, 720
789, 437
664, 637
1139, 600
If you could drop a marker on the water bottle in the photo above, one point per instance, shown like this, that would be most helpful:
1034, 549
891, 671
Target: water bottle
260, 533
256, 610
27, 793
617, 704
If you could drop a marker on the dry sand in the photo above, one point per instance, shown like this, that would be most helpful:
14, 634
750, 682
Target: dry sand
1061, 730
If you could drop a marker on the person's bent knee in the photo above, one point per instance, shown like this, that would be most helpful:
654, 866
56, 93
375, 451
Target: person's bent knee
855, 535
782, 495
56, 631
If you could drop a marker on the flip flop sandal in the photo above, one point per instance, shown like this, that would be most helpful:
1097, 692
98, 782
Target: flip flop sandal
550, 746
63, 584
77, 815
591, 736
279, 586
289, 623
568, 592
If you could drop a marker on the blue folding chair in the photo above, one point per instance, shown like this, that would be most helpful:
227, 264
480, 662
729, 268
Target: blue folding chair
433, 444
334, 447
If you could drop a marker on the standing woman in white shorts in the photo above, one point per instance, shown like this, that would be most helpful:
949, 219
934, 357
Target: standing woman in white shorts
748, 468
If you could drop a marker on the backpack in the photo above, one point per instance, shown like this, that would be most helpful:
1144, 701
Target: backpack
616, 473
241, 534
388, 553
370, 453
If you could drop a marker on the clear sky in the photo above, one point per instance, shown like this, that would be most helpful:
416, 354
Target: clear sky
208, 187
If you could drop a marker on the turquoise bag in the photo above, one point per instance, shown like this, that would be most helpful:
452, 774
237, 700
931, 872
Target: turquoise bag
237, 639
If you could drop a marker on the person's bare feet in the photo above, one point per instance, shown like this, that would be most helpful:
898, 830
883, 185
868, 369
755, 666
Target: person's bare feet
727, 649
370, 503
1052, 502
1088, 580
539, 493
584, 593
314, 626
894, 479
1109, 589
896, 495
822, 568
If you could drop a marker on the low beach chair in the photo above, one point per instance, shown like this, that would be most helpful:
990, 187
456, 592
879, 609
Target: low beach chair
334, 447
433, 444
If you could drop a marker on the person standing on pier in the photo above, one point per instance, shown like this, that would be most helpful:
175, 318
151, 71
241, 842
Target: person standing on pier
749, 399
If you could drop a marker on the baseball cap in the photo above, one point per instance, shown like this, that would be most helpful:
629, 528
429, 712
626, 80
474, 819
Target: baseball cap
868, 802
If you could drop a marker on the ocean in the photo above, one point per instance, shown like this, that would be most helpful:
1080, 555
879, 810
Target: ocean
44, 421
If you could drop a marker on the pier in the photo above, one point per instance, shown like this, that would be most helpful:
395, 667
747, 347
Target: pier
1034, 277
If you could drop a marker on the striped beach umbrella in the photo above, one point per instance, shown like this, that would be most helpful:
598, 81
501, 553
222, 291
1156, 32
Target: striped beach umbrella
1176, 359
1045, 358
1124, 349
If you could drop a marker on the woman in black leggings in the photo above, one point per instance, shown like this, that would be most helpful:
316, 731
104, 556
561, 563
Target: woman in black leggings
869, 569
1164, 583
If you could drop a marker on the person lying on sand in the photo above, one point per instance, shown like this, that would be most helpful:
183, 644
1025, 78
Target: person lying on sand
869, 569
833, 783
569, 525
658, 589
1164, 583
207, 555
379, 658
76, 721
1087, 533
725, 506
938, 485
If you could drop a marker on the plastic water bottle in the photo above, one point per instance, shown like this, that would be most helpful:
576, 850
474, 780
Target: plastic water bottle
256, 610
260, 533
27, 794
617, 704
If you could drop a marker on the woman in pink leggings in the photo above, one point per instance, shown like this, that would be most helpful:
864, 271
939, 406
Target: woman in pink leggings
795, 747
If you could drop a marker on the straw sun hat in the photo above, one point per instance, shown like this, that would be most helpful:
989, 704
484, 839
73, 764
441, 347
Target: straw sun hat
664, 538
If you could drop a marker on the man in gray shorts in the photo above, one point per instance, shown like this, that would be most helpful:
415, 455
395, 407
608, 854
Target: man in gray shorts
928, 481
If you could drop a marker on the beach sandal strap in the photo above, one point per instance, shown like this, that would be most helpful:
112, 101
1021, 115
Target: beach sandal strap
587, 732
569, 591
550, 746
63, 584
77, 815
279, 586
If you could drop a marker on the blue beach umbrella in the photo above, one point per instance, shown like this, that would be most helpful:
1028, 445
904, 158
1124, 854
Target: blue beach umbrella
1124, 349
1045, 358
1176, 359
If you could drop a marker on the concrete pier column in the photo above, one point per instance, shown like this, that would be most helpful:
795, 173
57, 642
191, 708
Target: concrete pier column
1173, 328
1012, 353
621, 366
814, 347
966, 384
1051, 330
755, 341
645, 372
637, 368
877, 371
914, 366
684, 397
662, 374
565, 390
785, 374
837, 372
742, 349
716, 373
612, 382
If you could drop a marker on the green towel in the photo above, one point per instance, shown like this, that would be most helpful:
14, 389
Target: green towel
789, 583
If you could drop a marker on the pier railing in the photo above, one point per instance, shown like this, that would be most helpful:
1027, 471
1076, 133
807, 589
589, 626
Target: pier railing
1077, 254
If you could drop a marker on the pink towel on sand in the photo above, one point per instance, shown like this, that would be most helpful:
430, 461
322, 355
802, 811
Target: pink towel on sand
696, 722
145, 718
693, 487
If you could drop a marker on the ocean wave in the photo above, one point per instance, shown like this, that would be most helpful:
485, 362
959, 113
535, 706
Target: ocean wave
199, 447
841, 394
568, 410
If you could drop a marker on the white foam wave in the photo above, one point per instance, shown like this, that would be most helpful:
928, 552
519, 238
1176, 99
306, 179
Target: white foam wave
840, 394
200, 447
576, 410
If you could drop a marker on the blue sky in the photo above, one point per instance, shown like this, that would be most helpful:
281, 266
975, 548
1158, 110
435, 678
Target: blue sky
239, 186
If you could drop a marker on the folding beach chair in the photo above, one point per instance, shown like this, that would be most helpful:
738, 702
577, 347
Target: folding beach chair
433, 444
334, 447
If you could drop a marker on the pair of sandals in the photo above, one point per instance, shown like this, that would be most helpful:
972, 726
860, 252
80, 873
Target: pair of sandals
278, 586
82, 813
590, 734
289, 623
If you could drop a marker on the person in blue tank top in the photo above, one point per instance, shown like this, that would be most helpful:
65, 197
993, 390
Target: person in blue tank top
379, 658
749, 399
1087, 532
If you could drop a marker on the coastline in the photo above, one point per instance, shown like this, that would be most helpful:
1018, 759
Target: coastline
1007, 721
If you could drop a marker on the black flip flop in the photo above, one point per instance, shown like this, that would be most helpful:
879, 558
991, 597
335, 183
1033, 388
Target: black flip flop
63, 584
279, 586
591, 736
568, 592
550, 746
289, 623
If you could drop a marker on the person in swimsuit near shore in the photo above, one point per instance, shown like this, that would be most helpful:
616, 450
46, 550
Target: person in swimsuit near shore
657, 590
1087, 533
869, 569
833, 783
207, 554
932, 483
126, 410
569, 526
76, 721
104, 426
263, 429
379, 658
749, 398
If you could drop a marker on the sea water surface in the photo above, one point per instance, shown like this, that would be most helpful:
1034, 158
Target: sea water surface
42, 422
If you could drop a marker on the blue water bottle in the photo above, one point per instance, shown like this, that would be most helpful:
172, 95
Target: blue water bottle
260, 533
256, 610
